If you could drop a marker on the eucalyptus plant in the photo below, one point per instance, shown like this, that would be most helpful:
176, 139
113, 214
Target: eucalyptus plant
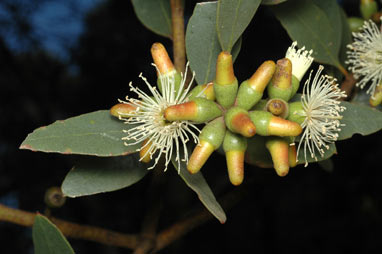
284, 114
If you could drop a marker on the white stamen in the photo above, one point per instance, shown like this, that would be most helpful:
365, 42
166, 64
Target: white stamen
301, 60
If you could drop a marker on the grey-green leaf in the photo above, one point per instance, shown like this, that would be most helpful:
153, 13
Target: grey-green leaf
202, 44
48, 239
359, 119
96, 133
232, 17
155, 15
97, 175
308, 24
272, 2
198, 184
346, 36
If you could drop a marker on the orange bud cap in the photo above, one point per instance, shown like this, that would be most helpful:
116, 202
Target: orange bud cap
184, 111
199, 156
241, 123
122, 110
279, 150
281, 127
144, 154
161, 58
224, 69
262, 76
292, 156
235, 165
283, 74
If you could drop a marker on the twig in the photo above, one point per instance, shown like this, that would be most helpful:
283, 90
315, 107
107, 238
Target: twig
70, 229
179, 229
177, 18
348, 84
147, 240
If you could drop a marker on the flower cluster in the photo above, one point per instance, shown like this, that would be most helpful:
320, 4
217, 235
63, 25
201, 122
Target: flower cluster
164, 121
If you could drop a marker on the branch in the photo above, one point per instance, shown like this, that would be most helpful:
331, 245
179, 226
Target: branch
70, 229
348, 84
179, 229
177, 18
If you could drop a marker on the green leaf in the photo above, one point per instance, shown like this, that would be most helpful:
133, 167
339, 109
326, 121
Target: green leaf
155, 15
272, 2
198, 184
97, 175
48, 239
359, 119
96, 133
232, 17
202, 45
346, 37
308, 24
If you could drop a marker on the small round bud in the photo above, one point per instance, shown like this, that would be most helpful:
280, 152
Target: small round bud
355, 24
368, 8
278, 107
54, 198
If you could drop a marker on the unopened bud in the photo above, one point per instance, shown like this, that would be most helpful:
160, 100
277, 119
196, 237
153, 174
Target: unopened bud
281, 83
238, 121
54, 198
144, 152
368, 8
210, 138
122, 110
234, 147
376, 98
278, 107
270, 125
292, 156
161, 59
296, 112
225, 83
203, 91
355, 24
279, 150
199, 110
251, 90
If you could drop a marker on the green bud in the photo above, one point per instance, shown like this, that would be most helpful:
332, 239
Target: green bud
214, 132
355, 24
296, 112
368, 8
234, 142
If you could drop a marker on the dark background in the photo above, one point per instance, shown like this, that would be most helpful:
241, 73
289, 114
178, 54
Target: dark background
311, 210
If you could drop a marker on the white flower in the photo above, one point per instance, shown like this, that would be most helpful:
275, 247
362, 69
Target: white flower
301, 60
365, 57
164, 138
320, 102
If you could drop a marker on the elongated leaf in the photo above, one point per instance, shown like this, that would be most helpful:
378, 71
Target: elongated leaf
155, 15
97, 175
47, 239
272, 2
346, 37
232, 17
359, 119
202, 43
198, 184
306, 23
95, 133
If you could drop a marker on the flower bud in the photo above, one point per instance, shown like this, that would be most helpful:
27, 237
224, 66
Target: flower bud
281, 83
234, 147
164, 65
279, 150
355, 24
122, 110
225, 83
199, 110
278, 107
54, 198
203, 91
368, 8
251, 90
144, 153
292, 156
296, 112
270, 125
376, 98
238, 121
210, 138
